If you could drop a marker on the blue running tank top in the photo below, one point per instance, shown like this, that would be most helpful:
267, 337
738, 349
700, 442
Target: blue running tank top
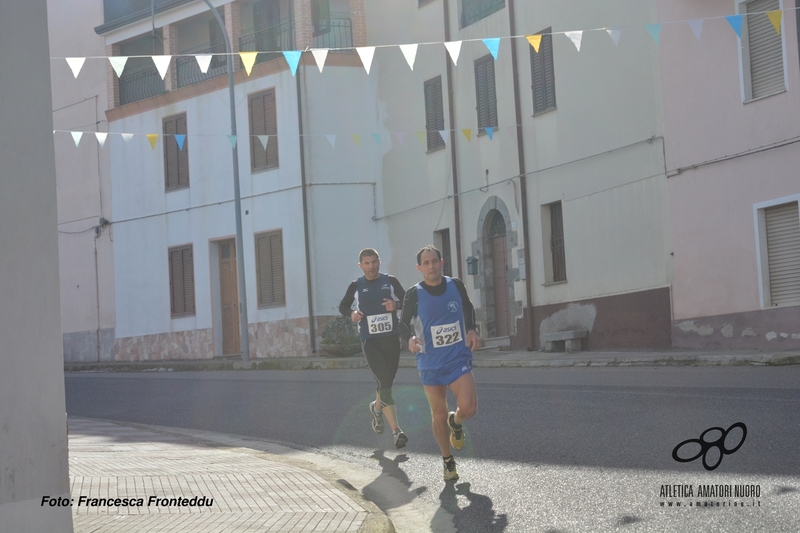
377, 321
441, 324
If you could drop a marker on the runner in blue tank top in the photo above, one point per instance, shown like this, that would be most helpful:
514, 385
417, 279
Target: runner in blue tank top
440, 318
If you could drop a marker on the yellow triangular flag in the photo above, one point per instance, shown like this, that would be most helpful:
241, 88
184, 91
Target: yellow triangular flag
535, 40
356, 138
248, 60
421, 136
468, 134
152, 137
775, 18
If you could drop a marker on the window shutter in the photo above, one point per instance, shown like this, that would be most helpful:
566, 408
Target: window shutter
276, 252
258, 157
543, 75
170, 155
271, 287
766, 50
434, 113
557, 242
176, 282
271, 128
783, 252
480, 93
181, 281
264, 273
549, 72
188, 280
183, 155
491, 94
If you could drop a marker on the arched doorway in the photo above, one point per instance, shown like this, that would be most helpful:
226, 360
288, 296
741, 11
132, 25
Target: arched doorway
499, 312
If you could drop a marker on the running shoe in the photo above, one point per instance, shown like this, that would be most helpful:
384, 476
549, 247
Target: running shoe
400, 438
450, 473
457, 433
377, 419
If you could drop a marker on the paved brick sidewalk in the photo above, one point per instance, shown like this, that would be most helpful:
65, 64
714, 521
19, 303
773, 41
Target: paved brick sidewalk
243, 490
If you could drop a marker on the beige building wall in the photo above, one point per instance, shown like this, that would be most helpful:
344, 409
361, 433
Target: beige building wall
33, 434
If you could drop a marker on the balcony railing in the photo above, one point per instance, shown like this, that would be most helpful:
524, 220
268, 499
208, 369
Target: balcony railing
139, 81
334, 32
279, 36
188, 70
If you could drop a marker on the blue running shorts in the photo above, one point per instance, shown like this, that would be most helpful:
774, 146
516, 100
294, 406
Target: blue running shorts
447, 374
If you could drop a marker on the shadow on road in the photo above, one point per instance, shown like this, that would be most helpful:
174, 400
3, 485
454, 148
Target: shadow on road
477, 517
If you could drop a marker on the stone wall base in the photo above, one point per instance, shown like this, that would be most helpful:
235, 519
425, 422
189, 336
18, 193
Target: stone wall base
777, 328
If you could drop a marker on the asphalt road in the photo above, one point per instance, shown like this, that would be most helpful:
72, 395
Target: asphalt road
554, 450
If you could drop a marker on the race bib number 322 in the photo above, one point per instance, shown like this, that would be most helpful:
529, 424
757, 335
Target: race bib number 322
380, 323
446, 334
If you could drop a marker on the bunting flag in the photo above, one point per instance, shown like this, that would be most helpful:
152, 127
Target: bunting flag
75, 63
614, 34
101, 137
575, 37
493, 45
366, 53
162, 64
203, 61
489, 132
399, 137
76, 136
180, 139
467, 133
377, 137
535, 40
264, 139
356, 138
445, 136
736, 23
153, 138
118, 64
332, 140
320, 54
248, 60
421, 136
127, 136
775, 18
232, 139
410, 53
454, 49
654, 30
697, 27
293, 58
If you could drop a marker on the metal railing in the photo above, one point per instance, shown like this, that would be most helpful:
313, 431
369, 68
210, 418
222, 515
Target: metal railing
188, 70
474, 10
140, 80
334, 32
279, 36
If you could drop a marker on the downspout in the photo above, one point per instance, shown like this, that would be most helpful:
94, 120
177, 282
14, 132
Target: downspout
303, 187
453, 160
522, 183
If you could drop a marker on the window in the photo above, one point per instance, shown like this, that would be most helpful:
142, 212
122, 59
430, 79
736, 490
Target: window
434, 113
762, 51
485, 93
778, 241
441, 239
181, 281
269, 268
320, 16
555, 265
176, 160
474, 10
543, 81
263, 121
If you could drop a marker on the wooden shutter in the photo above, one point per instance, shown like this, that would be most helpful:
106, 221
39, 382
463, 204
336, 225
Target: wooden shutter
557, 242
263, 121
783, 252
176, 161
434, 113
181, 281
485, 94
269, 266
543, 82
766, 49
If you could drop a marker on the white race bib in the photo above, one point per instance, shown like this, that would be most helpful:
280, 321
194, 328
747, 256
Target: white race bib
379, 323
446, 334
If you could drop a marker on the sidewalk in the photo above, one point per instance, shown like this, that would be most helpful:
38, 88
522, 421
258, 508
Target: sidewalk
188, 481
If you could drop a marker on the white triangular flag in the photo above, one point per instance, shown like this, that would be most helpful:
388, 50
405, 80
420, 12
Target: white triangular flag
331, 139
366, 53
101, 137
697, 27
264, 140
614, 34
445, 136
410, 53
575, 37
127, 136
454, 48
320, 54
75, 63
76, 136
118, 64
162, 64
203, 61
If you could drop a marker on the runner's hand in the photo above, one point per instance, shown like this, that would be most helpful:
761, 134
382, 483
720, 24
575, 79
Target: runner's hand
473, 340
415, 345
389, 304
356, 315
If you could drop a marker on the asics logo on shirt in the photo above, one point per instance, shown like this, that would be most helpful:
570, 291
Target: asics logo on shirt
446, 329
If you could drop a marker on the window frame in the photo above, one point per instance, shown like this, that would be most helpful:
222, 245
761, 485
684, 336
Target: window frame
545, 56
274, 302
434, 138
548, 253
745, 70
490, 102
271, 156
762, 253
183, 281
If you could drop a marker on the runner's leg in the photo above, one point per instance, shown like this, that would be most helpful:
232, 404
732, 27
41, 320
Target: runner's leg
466, 397
437, 398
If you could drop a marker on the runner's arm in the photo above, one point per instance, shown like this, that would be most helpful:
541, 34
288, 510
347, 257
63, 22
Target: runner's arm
347, 302
399, 291
409, 312
470, 323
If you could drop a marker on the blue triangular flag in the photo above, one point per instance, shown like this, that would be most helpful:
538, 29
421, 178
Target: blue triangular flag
489, 132
655, 31
293, 58
377, 137
493, 45
736, 23
179, 139
232, 139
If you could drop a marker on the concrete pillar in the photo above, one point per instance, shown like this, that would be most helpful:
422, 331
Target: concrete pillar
233, 25
113, 81
303, 29
171, 47
358, 16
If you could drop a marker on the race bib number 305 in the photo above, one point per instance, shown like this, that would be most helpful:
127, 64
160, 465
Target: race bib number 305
446, 334
380, 323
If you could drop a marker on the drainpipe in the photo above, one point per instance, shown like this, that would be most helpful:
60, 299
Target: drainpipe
453, 160
522, 182
312, 330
